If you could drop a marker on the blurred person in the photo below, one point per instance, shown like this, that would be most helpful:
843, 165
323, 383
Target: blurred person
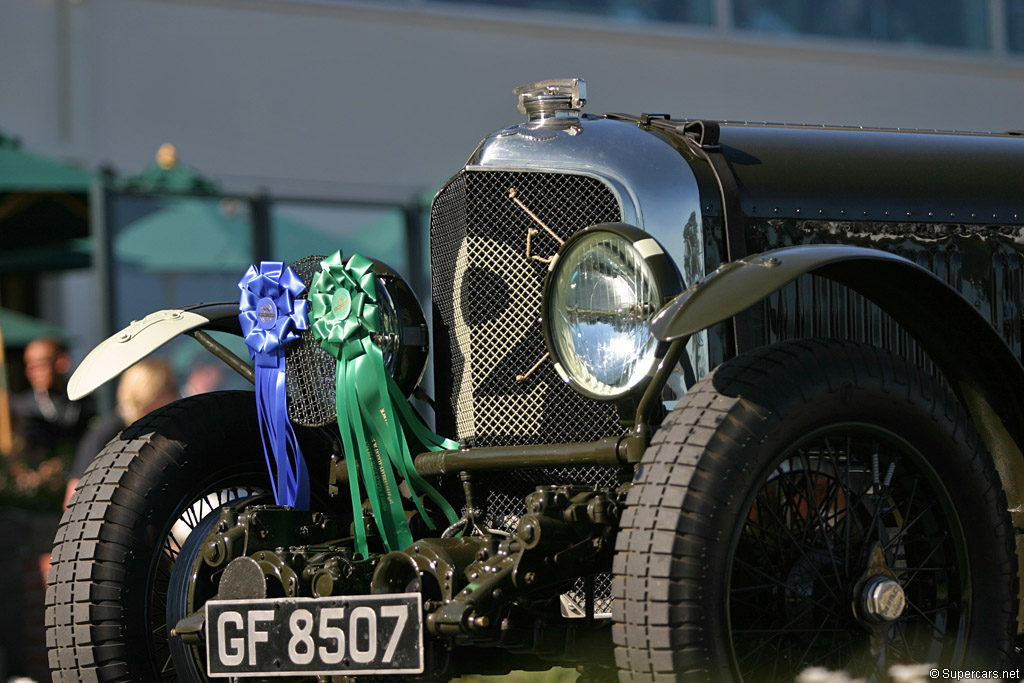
203, 378
48, 423
47, 426
144, 387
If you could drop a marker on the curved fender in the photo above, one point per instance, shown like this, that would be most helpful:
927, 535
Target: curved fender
738, 285
982, 370
123, 349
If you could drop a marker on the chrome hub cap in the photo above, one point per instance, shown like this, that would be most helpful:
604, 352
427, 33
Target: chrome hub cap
883, 599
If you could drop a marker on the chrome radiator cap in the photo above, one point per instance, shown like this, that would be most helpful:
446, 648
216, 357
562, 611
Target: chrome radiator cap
555, 98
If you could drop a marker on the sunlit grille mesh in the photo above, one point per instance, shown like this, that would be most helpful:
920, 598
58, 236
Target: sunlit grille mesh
310, 377
486, 295
486, 325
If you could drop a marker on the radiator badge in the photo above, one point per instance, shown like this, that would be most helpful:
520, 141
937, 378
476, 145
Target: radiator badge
532, 232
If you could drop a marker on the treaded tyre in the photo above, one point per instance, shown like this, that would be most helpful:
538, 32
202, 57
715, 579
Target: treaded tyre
127, 522
813, 503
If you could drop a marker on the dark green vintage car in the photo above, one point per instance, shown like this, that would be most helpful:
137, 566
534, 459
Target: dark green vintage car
731, 400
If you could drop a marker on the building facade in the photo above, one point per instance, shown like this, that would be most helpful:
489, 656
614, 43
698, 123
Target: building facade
384, 100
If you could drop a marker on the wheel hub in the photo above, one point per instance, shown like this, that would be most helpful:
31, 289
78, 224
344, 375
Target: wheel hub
882, 599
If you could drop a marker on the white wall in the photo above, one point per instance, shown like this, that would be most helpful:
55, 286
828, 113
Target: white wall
337, 99
345, 98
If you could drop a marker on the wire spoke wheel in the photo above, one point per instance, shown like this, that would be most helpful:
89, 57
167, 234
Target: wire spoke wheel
183, 582
813, 503
797, 582
125, 563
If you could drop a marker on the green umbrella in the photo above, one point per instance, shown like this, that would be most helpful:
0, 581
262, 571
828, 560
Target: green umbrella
75, 253
42, 201
19, 329
195, 235
43, 207
186, 235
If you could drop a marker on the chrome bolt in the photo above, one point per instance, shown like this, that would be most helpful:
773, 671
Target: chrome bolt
884, 599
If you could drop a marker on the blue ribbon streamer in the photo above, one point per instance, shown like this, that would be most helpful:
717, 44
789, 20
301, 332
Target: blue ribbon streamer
271, 315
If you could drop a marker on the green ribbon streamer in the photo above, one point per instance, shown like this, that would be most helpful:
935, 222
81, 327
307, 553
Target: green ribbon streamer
374, 418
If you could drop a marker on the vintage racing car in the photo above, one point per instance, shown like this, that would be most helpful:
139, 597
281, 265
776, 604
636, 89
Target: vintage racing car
717, 401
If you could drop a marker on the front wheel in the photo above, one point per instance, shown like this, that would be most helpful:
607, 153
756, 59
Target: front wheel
138, 503
813, 503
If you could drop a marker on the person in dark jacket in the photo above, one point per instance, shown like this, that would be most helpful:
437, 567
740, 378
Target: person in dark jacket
48, 423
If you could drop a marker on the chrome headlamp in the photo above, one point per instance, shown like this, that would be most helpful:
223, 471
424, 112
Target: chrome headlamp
403, 335
602, 290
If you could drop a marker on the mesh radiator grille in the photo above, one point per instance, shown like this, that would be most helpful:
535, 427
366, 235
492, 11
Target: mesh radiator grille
310, 376
486, 324
487, 295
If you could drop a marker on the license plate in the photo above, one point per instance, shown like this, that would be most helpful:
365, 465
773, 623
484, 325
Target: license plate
365, 634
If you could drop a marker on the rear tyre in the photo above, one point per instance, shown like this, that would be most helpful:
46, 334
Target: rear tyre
135, 507
813, 503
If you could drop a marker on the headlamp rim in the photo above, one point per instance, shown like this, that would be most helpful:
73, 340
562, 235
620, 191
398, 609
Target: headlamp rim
413, 357
665, 274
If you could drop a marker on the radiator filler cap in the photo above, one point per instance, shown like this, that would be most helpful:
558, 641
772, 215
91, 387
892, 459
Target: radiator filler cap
556, 98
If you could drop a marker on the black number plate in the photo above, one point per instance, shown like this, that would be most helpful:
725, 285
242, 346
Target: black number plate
364, 634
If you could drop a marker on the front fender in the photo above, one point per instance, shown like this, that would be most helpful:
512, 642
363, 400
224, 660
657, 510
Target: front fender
982, 370
738, 285
123, 349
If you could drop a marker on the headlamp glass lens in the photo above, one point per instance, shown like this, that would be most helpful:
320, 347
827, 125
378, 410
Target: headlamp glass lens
605, 295
389, 337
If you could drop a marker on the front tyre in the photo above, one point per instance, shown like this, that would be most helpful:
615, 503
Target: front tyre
813, 503
134, 509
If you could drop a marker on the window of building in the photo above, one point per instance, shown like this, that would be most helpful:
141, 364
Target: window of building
1015, 25
961, 24
945, 23
678, 11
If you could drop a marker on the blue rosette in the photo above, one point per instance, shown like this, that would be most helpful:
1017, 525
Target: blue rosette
271, 315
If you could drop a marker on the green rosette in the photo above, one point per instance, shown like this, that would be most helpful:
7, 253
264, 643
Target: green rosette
375, 420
